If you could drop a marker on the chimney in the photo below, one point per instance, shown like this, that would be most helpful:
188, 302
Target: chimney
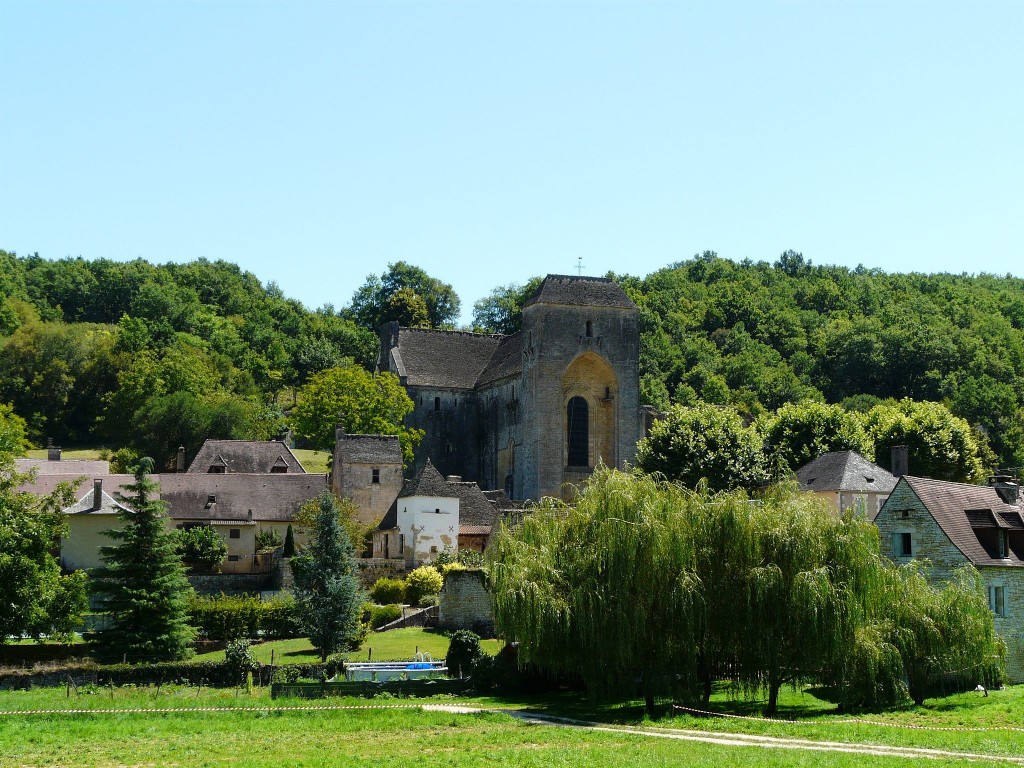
52, 451
454, 478
97, 493
250, 516
179, 465
900, 460
1007, 487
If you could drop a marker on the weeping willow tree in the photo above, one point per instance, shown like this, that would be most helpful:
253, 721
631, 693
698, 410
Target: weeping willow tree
948, 631
810, 585
605, 589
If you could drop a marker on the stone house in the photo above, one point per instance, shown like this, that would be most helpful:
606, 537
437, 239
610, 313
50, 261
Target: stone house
248, 457
368, 470
433, 514
953, 524
847, 481
88, 519
238, 506
535, 410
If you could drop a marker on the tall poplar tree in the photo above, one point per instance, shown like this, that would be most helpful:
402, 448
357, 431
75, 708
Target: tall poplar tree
142, 584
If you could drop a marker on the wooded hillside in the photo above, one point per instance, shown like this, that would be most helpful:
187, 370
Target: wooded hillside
156, 356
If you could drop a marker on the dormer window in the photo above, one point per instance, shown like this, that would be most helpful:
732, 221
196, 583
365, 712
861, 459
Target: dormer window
217, 469
210, 500
1002, 545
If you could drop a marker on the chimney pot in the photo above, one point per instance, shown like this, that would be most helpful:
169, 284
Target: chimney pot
97, 493
454, 478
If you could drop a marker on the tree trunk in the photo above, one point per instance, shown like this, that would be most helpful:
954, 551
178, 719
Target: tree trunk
707, 690
649, 705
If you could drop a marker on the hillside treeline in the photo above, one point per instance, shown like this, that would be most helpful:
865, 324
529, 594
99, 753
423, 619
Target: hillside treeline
759, 335
155, 356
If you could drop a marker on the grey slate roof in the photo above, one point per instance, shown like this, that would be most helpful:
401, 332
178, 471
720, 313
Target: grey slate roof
428, 482
844, 471
44, 485
948, 504
506, 361
86, 506
447, 359
269, 496
369, 449
580, 291
63, 467
475, 508
245, 456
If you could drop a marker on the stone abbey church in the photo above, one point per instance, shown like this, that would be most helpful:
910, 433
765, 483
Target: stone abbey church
533, 411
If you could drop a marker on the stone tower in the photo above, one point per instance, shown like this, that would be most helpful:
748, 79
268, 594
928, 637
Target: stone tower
533, 411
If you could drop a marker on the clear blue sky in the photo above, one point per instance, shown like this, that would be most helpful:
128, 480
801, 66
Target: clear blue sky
313, 143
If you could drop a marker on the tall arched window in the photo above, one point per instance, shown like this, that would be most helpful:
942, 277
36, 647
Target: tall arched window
577, 431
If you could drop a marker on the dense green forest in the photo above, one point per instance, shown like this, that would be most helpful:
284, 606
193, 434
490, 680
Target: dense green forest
153, 356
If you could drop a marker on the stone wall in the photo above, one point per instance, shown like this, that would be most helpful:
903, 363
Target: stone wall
373, 568
230, 583
465, 603
905, 513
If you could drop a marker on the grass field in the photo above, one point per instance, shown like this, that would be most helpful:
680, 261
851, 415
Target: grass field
314, 462
408, 736
397, 644
72, 453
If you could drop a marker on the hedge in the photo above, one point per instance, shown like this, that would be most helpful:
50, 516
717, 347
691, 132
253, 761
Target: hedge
226, 618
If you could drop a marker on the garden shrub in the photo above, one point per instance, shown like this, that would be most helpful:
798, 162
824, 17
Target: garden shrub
239, 660
388, 591
425, 580
201, 546
383, 614
268, 539
226, 618
463, 653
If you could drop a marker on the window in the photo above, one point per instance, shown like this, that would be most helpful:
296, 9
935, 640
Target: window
234, 533
217, 469
860, 504
401, 543
903, 546
233, 558
997, 599
509, 485
279, 469
577, 432
590, 329
1001, 537
375, 475
437, 403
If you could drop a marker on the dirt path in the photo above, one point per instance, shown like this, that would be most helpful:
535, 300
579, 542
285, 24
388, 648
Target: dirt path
766, 742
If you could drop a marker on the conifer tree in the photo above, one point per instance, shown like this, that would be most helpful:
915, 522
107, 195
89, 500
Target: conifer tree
326, 588
289, 542
142, 584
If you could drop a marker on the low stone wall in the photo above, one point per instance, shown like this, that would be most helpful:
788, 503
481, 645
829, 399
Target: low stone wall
230, 583
373, 568
465, 603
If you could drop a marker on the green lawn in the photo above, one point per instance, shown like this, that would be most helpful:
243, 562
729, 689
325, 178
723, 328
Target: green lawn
314, 462
406, 736
72, 453
397, 644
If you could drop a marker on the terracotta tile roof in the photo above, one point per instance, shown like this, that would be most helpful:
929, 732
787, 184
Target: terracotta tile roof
949, 503
446, 359
474, 530
246, 457
369, 449
844, 471
580, 291
269, 496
